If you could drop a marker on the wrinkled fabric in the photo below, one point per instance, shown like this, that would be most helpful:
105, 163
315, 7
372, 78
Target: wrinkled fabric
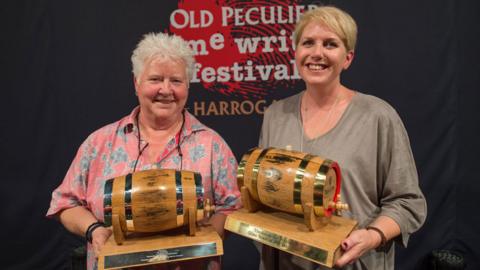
112, 151
372, 148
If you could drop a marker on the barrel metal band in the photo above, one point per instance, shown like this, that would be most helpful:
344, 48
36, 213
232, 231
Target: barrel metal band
128, 196
199, 194
179, 192
297, 184
179, 198
256, 168
198, 190
320, 179
107, 202
128, 203
241, 168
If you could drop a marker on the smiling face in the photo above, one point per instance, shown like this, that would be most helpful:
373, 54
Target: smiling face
321, 56
162, 90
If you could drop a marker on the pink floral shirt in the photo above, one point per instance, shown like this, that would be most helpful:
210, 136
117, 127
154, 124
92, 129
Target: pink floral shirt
113, 150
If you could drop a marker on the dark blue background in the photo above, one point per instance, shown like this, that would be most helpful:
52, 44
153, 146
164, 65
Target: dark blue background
66, 71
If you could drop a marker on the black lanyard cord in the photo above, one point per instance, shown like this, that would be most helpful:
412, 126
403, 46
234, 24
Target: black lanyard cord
177, 139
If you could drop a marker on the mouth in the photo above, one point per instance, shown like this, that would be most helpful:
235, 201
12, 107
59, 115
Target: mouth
164, 100
316, 66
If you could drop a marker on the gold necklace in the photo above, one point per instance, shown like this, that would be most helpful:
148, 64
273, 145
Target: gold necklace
327, 119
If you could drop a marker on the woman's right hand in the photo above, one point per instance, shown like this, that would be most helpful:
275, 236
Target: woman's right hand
77, 220
356, 244
99, 237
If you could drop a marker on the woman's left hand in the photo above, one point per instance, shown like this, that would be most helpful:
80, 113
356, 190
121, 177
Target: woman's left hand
356, 244
99, 237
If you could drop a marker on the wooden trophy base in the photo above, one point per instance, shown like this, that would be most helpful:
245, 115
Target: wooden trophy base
289, 233
160, 248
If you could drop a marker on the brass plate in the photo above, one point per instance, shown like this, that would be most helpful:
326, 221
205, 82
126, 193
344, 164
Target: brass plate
160, 256
279, 241
289, 233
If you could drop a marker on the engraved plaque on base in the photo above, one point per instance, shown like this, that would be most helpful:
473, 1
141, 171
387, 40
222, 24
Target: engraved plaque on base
160, 249
289, 233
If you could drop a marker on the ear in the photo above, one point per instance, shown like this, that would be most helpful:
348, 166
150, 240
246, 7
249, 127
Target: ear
348, 59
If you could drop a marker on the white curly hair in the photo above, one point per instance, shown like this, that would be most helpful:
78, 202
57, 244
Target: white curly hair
155, 45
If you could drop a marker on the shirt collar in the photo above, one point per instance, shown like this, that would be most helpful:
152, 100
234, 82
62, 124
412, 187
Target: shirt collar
192, 124
129, 124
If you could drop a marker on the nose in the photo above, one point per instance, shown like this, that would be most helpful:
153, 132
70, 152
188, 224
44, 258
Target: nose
165, 87
318, 51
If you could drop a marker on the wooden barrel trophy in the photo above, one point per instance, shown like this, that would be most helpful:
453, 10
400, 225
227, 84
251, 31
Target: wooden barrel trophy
153, 201
290, 181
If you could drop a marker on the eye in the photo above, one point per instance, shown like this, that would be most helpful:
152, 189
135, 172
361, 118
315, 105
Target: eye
177, 81
330, 44
155, 79
307, 42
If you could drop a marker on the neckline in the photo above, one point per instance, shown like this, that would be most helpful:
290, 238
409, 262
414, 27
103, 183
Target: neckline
339, 122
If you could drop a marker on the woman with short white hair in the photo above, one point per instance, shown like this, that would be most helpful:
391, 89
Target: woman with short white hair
159, 133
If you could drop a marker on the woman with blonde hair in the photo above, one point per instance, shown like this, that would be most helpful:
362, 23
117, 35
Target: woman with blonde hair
363, 133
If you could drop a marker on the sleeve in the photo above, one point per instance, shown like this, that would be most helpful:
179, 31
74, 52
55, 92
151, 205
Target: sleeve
73, 189
224, 175
401, 198
264, 132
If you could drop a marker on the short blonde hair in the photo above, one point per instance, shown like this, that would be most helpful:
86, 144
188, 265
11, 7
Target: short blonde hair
162, 45
337, 20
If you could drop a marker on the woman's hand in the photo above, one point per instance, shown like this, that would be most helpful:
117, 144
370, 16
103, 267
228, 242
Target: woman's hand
356, 244
361, 241
78, 219
99, 236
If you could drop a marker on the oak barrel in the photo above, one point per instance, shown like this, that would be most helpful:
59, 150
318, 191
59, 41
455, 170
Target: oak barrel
153, 200
286, 180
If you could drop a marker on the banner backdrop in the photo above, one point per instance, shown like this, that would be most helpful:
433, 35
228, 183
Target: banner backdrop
245, 60
66, 72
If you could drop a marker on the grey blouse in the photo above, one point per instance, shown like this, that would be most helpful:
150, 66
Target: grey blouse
372, 148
